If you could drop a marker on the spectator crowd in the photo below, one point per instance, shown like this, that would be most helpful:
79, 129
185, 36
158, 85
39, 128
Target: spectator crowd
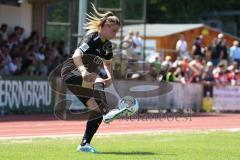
28, 56
215, 63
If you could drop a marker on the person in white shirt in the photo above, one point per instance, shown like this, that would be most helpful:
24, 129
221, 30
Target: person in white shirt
137, 44
3, 31
182, 47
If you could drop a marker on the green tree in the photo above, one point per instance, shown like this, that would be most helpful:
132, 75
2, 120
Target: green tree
185, 11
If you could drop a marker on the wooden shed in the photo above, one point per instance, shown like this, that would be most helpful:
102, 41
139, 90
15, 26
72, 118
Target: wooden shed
167, 35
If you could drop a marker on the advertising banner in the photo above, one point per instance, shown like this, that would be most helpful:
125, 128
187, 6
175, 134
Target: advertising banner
226, 98
151, 95
25, 95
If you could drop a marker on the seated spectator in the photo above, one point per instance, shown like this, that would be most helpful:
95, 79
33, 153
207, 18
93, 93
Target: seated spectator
33, 39
167, 63
220, 76
235, 65
5, 59
170, 76
43, 69
155, 68
44, 43
237, 77
12, 41
29, 66
54, 46
40, 55
37, 58
1, 39
62, 48
231, 75
18, 31
15, 66
3, 32
179, 72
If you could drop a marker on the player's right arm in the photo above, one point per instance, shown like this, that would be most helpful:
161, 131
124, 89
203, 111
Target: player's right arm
77, 59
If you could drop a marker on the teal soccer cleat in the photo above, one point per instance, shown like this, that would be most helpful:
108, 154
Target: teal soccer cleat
114, 114
86, 148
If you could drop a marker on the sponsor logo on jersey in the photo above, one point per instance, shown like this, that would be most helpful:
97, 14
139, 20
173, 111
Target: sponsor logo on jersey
84, 47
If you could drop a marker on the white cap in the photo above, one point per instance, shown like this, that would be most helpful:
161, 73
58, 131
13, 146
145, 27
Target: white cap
220, 35
209, 63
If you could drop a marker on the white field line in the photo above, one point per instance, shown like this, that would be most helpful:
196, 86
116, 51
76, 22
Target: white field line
122, 133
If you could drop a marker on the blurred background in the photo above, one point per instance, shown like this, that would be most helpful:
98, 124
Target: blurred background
191, 45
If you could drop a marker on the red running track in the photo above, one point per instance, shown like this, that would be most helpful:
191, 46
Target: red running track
47, 125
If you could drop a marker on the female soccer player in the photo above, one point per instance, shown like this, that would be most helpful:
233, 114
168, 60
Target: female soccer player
90, 68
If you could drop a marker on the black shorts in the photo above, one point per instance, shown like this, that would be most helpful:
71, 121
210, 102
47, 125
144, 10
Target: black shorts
74, 85
73, 81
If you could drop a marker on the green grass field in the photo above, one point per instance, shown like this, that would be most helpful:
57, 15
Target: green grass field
161, 146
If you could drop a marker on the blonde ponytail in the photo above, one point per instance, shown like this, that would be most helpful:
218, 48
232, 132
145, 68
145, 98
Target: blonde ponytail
97, 20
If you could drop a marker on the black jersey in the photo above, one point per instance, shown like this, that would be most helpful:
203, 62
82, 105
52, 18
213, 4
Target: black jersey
94, 53
92, 44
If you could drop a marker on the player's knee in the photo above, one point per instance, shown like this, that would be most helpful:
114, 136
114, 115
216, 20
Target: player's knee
103, 107
95, 117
